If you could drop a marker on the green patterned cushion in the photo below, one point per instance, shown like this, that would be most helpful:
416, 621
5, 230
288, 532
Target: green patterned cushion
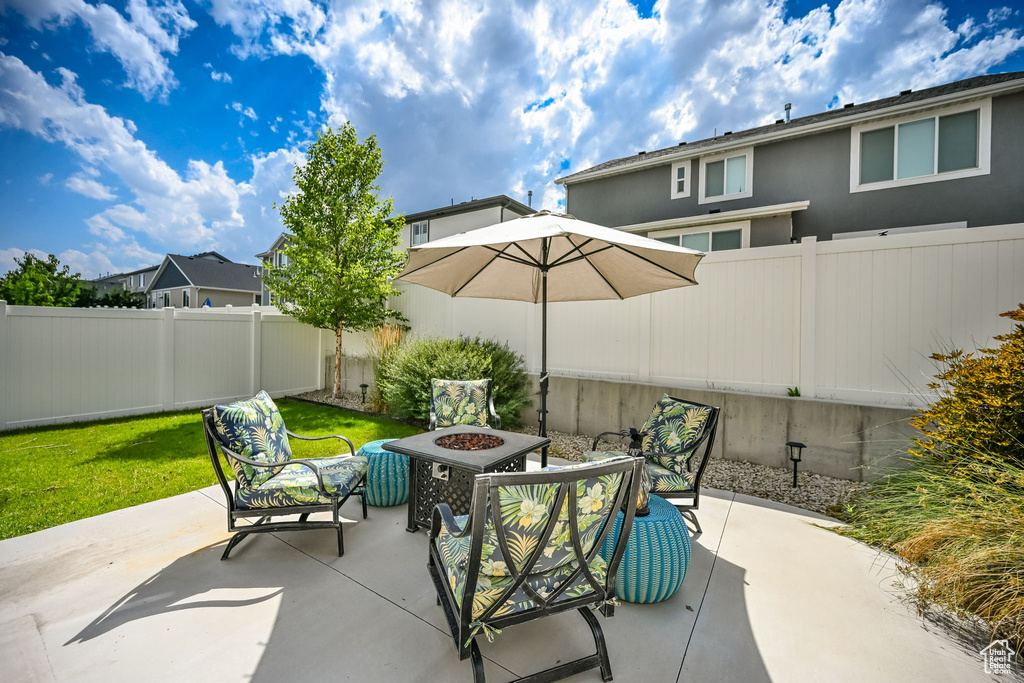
525, 511
253, 429
671, 432
296, 484
490, 587
459, 402
665, 480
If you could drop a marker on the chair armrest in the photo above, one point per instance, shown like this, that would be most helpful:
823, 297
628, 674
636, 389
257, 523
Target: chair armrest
622, 433
254, 463
443, 516
321, 438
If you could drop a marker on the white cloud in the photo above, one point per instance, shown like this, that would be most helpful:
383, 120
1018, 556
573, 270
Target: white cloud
89, 188
139, 43
219, 76
172, 210
503, 92
45, 178
244, 111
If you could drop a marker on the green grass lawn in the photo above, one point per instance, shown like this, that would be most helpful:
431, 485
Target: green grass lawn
57, 474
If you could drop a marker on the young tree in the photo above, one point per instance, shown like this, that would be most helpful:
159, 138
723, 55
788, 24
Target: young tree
36, 282
343, 252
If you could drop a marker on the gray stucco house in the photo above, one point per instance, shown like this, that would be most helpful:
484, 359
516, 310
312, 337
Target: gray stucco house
188, 281
429, 225
944, 157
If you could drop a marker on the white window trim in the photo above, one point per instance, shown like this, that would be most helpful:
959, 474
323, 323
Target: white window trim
742, 226
689, 179
984, 108
412, 233
749, 192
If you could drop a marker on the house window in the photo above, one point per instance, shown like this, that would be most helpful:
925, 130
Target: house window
728, 176
142, 280
281, 259
680, 179
184, 298
420, 234
705, 240
951, 143
167, 299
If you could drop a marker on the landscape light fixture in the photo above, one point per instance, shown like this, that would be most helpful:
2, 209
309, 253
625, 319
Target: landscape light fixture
795, 450
363, 388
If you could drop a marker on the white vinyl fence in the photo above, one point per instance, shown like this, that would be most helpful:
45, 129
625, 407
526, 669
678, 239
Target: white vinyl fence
65, 364
851, 320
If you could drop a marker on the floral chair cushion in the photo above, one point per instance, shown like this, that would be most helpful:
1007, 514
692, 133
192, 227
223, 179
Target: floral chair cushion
459, 402
253, 429
665, 480
525, 511
296, 484
491, 586
671, 432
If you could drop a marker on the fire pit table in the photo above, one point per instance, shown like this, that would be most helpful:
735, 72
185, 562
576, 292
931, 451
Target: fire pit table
445, 475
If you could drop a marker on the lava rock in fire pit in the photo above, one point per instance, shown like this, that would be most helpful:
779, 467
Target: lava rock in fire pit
469, 441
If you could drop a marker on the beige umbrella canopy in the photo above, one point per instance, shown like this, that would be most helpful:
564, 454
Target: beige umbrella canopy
549, 257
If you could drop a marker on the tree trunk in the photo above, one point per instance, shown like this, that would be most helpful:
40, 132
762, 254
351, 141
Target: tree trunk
337, 362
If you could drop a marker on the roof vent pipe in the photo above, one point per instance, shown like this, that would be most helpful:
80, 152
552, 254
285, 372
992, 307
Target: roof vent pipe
789, 108
529, 198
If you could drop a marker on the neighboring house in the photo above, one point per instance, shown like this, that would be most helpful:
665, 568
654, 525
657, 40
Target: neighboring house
943, 157
135, 281
450, 220
276, 257
429, 225
188, 281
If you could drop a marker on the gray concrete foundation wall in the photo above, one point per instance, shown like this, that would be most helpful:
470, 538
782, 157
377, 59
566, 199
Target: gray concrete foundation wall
843, 440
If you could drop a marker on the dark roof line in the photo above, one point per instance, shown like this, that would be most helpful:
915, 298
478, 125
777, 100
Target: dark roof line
472, 205
843, 111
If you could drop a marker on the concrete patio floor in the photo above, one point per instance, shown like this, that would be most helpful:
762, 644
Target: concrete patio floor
141, 594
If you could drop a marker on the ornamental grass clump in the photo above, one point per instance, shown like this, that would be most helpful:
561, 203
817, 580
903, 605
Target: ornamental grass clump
404, 379
382, 347
955, 516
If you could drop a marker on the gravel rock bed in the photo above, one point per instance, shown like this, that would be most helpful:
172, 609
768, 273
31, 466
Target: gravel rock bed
816, 493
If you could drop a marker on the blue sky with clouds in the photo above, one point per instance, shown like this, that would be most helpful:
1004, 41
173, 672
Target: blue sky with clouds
133, 128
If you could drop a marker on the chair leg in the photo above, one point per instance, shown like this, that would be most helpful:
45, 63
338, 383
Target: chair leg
690, 516
477, 661
362, 497
602, 647
235, 540
341, 542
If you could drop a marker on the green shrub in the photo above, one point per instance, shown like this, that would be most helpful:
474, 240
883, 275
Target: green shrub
405, 376
980, 410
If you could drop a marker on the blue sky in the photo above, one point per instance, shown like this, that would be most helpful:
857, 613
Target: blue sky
133, 128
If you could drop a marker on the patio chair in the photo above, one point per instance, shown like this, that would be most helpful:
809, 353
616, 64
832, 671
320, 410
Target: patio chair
251, 437
676, 431
462, 402
530, 548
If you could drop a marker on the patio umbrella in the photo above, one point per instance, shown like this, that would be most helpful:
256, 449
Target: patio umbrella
549, 257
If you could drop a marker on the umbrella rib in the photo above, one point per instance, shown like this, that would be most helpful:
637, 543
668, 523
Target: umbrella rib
575, 248
473, 276
532, 260
656, 265
427, 265
581, 257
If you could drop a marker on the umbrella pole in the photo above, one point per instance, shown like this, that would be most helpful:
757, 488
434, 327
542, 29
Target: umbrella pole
544, 365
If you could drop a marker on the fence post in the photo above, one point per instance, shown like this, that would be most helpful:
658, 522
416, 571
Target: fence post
808, 286
257, 353
5, 352
167, 359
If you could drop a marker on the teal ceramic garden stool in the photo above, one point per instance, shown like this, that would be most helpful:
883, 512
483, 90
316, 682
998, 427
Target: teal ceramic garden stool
657, 554
387, 476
